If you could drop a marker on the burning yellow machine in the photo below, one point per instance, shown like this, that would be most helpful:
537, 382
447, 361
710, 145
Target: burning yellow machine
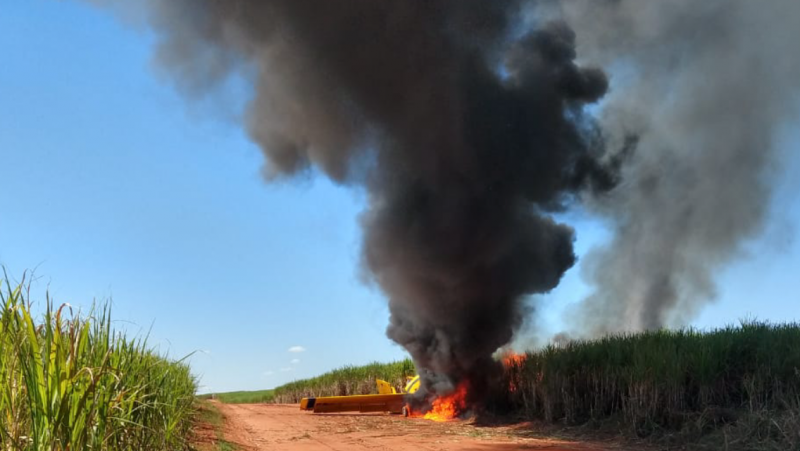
387, 400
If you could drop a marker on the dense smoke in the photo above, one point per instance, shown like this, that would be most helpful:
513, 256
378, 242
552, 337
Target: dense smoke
465, 127
466, 122
705, 86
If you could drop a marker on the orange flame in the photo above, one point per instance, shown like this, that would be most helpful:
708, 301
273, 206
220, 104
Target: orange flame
511, 359
448, 407
513, 363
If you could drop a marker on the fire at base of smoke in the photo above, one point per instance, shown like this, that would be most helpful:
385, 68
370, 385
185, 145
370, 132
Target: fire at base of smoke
464, 165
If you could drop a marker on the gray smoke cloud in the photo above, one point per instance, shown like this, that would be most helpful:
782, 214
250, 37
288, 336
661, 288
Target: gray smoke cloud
465, 126
704, 86
466, 121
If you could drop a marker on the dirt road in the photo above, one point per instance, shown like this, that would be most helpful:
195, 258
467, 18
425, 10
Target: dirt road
285, 427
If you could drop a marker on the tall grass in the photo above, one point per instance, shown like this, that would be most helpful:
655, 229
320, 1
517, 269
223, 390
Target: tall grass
72, 383
663, 378
737, 387
241, 397
349, 380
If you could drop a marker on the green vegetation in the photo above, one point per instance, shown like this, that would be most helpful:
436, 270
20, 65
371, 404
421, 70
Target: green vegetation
210, 419
241, 397
742, 381
72, 383
731, 388
349, 380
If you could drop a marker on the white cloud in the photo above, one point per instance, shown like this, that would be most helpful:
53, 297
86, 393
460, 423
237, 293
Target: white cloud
285, 369
297, 349
295, 361
268, 373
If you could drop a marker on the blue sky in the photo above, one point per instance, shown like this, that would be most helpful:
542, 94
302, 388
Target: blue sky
115, 187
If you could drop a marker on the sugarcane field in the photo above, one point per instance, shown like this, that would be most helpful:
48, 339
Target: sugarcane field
400, 225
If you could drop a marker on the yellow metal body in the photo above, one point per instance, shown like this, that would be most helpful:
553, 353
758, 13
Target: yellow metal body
412, 385
385, 388
387, 400
358, 403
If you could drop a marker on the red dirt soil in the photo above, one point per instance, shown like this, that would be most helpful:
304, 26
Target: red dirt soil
285, 427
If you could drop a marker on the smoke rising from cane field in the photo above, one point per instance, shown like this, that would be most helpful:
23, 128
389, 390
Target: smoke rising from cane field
464, 126
704, 86
466, 122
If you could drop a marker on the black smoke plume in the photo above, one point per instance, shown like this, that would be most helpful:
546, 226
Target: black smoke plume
465, 124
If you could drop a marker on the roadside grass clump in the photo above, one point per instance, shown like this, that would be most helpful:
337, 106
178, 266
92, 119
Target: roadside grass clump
737, 378
348, 380
70, 382
209, 434
241, 397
